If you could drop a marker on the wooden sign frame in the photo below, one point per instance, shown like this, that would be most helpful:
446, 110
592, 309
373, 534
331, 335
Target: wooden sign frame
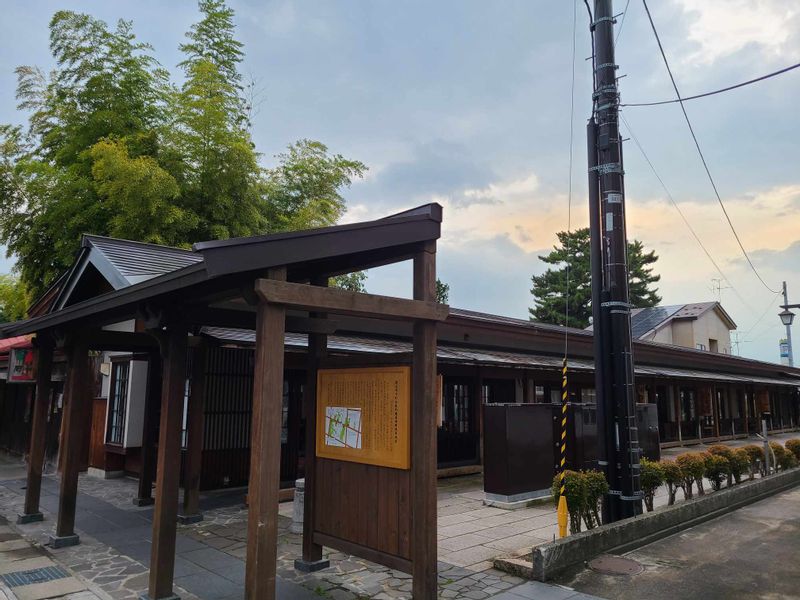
364, 415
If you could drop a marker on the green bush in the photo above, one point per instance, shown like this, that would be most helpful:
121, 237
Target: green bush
673, 477
584, 491
575, 491
756, 454
778, 458
717, 470
693, 465
793, 446
651, 476
596, 489
739, 463
725, 452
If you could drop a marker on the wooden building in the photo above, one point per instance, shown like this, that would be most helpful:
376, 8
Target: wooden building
179, 338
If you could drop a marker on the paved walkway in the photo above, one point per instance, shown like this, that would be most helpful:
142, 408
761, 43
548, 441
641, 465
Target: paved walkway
749, 553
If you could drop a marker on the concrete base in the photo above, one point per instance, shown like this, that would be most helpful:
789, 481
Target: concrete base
311, 566
102, 474
143, 501
64, 541
189, 519
146, 596
32, 518
516, 501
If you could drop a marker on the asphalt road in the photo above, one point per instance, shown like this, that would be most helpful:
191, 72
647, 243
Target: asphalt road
753, 552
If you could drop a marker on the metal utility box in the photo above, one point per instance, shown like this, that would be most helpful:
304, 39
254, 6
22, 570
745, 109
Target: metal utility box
517, 452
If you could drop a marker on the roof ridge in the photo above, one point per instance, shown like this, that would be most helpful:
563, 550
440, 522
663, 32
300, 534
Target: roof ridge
91, 236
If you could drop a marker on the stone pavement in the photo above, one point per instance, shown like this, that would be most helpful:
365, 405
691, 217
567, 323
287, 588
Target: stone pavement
28, 573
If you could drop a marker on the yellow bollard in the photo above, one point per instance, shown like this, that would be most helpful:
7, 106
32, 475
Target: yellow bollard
563, 516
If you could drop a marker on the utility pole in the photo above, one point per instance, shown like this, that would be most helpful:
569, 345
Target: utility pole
618, 440
786, 306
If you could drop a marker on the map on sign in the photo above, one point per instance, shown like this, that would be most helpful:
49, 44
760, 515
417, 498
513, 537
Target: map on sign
343, 427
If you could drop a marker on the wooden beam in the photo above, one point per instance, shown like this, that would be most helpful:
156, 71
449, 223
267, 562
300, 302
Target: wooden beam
72, 442
194, 438
265, 450
44, 369
245, 319
147, 472
162, 553
423, 443
122, 341
310, 297
317, 349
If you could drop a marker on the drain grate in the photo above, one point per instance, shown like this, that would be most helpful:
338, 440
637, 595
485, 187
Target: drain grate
18, 578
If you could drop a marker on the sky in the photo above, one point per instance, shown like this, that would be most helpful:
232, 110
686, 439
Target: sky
467, 103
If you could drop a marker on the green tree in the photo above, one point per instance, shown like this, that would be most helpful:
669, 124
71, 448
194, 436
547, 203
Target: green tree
442, 291
113, 148
304, 190
14, 299
352, 282
550, 288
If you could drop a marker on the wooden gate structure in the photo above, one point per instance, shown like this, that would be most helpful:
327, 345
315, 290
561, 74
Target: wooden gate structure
275, 284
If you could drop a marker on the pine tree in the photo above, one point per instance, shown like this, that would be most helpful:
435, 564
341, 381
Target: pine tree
550, 288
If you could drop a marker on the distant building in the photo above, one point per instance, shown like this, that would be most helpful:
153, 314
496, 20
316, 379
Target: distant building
701, 325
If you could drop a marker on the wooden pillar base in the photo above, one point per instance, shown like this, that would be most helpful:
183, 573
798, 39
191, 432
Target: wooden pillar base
23, 519
189, 519
63, 541
311, 566
146, 501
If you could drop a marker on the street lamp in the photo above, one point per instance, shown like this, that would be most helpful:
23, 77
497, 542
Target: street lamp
786, 316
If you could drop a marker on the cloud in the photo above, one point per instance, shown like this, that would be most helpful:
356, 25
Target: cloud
721, 28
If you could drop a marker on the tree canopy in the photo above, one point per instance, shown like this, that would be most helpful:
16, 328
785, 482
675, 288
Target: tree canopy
549, 288
14, 299
113, 147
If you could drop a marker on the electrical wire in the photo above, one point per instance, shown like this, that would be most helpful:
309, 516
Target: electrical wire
680, 212
726, 89
700, 152
622, 22
764, 314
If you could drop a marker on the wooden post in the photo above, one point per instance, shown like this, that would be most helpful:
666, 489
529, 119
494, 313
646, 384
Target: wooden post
423, 426
162, 553
676, 390
44, 368
317, 349
715, 408
72, 443
147, 473
194, 438
265, 449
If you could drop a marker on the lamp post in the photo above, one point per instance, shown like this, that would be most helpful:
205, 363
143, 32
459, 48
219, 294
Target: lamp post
787, 316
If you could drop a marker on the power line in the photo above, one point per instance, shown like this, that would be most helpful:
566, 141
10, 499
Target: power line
680, 212
700, 152
727, 89
769, 307
621, 24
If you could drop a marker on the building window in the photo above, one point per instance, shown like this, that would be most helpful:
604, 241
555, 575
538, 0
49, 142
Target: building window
713, 345
701, 346
118, 399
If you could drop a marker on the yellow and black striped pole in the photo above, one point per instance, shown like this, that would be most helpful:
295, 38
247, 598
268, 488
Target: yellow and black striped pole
563, 513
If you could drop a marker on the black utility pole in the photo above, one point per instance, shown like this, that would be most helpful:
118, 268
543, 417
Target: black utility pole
618, 452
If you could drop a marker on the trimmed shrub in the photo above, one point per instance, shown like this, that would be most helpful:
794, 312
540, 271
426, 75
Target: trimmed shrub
756, 454
740, 464
725, 452
693, 465
717, 470
584, 491
673, 477
596, 489
651, 476
793, 446
778, 458
575, 491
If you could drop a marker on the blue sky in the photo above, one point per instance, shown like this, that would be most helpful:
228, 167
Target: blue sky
466, 103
